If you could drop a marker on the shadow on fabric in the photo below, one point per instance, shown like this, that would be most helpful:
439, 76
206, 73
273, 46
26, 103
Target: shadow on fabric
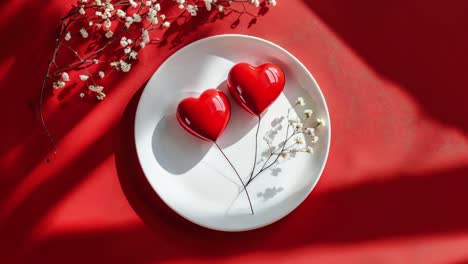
420, 45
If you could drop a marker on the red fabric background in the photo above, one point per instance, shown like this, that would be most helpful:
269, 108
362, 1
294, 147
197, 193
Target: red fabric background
395, 188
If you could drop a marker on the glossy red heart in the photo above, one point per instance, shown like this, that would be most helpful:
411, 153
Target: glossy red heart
255, 88
205, 117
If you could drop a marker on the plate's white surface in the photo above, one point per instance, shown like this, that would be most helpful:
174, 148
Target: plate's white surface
190, 175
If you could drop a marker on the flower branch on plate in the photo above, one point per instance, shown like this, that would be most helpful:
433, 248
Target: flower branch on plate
293, 142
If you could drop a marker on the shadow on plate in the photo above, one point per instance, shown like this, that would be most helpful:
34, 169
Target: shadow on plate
176, 150
239, 124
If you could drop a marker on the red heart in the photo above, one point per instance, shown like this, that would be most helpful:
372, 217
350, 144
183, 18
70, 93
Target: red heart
255, 88
205, 117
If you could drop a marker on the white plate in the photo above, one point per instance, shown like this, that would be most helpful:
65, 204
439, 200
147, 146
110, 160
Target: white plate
190, 175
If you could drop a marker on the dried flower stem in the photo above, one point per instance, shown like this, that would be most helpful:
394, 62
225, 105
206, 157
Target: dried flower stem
63, 27
277, 152
256, 148
41, 102
283, 147
238, 176
96, 14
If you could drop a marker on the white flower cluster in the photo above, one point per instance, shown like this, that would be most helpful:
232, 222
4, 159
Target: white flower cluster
121, 66
84, 77
84, 33
180, 3
303, 128
109, 19
192, 9
152, 15
124, 42
145, 39
208, 4
64, 77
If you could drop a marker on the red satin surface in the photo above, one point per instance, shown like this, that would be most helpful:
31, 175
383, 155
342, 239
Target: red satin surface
394, 189
205, 117
255, 88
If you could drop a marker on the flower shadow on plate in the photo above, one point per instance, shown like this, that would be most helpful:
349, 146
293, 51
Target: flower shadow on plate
269, 193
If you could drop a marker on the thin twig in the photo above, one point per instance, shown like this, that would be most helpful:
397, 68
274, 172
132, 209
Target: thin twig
238, 176
41, 100
256, 148
278, 152
54, 70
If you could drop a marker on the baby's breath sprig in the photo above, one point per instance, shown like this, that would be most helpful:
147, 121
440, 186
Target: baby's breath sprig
109, 25
293, 142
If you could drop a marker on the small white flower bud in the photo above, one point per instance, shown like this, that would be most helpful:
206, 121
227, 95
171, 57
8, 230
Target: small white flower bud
65, 77
100, 96
320, 122
84, 33
299, 140
67, 36
58, 84
315, 139
109, 34
136, 18
120, 13
300, 101
133, 55
123, 42
84, 77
